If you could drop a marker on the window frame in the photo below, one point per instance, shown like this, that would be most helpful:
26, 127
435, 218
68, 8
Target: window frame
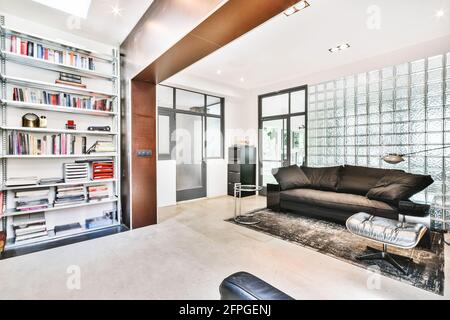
172, 112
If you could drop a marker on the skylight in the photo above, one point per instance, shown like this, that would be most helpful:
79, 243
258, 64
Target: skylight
79, 8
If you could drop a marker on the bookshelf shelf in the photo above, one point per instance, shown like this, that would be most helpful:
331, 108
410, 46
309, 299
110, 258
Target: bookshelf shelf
56, 44
53, 108
46, 130
57, 67
62, 156
40, 186
28, 72
14, 213
12, 245
55, 87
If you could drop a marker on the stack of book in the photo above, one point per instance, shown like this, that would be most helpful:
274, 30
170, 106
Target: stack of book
66, 196
98, 193
31, 49
30, 227
102, 146
20, 143
102, 170
61, 99
23, 181
32, 200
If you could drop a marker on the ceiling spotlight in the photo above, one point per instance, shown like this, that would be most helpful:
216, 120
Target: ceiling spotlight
341, 47
219, 72
116, 11
242, 79
296, 8
440, 13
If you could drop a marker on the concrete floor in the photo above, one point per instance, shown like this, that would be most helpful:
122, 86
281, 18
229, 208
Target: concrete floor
186, 256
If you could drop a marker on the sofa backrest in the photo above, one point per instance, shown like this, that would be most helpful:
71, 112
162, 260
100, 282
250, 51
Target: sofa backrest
325, 179
359, 180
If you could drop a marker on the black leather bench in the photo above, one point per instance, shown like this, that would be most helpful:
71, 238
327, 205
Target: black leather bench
245, 286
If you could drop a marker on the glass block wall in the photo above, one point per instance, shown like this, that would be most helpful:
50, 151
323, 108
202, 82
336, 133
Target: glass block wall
357, 119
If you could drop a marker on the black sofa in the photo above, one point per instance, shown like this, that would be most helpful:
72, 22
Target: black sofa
336, 193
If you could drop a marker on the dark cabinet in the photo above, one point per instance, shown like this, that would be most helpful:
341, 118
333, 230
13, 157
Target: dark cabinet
241, 168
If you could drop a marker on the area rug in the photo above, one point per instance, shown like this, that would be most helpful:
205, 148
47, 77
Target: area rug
425, 272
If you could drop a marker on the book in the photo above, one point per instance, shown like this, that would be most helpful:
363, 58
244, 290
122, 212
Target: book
99, 222
67, 229
69, 83
33, 193
28, 227
31, 236
25, 181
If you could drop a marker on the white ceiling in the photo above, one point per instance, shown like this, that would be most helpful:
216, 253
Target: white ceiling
295, 46
101, 24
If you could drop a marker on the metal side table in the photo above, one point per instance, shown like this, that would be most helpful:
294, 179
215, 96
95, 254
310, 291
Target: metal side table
246, 219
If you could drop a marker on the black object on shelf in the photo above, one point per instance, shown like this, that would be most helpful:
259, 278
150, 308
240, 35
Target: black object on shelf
241, 167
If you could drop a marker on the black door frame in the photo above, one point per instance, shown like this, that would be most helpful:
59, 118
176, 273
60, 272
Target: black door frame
288, 117
172, 113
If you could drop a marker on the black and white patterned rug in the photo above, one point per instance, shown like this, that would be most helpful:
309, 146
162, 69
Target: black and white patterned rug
425, 272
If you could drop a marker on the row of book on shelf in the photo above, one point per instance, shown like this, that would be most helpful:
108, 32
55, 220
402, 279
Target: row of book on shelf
39, 199
20, 143
17, 45
34, 226
61, 99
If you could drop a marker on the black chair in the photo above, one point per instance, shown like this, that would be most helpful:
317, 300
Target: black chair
244, 286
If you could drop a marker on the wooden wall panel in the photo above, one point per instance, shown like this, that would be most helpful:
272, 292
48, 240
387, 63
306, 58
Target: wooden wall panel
143, 186
228, 22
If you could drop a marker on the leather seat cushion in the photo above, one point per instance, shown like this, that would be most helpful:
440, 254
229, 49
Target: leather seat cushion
339, 201
387, 231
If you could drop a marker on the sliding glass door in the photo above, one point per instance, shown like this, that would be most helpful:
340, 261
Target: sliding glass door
282, 124
191, 165
190, 131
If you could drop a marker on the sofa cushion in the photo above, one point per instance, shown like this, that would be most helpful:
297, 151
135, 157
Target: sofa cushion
339, 201
323, 178
398, 186
359, 180
291, 177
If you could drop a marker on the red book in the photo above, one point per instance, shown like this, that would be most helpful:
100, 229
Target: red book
13, 47
46, 54
23, 48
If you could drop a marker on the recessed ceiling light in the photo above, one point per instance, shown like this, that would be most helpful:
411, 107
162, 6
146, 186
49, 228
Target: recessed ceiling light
296, 8
219, 72
242, 79
440, 13
340, 47
116, 10
79, 8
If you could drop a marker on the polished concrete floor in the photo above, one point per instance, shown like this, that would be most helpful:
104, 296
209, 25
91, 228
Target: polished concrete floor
186, 256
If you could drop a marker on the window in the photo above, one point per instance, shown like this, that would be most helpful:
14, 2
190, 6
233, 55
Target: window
174, 101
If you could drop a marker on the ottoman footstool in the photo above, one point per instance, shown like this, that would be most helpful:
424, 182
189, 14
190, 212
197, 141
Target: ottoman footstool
388, 232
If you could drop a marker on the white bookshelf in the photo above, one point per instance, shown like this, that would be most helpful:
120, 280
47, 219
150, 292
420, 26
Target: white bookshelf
46, 130
53, 108
32, 72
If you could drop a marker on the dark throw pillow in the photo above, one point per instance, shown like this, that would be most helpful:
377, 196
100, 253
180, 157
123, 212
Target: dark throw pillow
291, 178
359, 180
323, 178
397, 186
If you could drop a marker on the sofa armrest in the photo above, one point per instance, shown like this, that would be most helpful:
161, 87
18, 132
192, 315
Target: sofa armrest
273, 197
409, 208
